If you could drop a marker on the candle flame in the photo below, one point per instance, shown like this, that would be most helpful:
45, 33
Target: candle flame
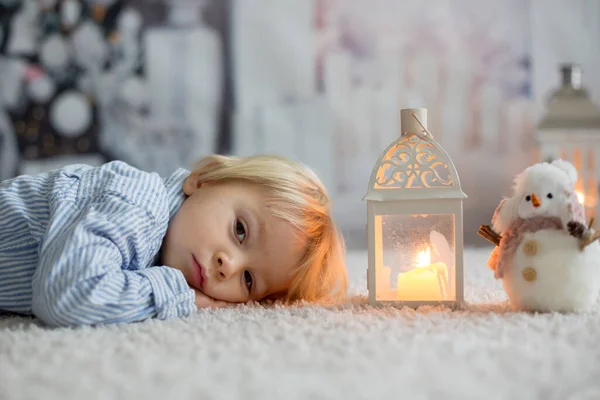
580, 197
424, 258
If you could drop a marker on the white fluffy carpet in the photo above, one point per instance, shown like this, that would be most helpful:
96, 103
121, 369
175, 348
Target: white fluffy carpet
352, 352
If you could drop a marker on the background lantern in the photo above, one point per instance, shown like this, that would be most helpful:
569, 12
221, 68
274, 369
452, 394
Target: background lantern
415, 221
570, 130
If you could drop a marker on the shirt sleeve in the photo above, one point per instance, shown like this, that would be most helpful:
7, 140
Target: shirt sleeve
87, 272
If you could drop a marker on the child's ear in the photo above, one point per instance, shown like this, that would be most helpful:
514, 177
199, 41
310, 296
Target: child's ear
191, 184
205, 166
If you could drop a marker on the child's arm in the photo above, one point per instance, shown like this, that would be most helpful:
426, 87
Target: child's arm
88, 272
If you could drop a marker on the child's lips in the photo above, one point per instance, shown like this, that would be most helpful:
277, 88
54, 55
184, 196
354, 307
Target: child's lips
199, 273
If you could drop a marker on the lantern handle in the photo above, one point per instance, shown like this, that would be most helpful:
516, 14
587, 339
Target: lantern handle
420, 134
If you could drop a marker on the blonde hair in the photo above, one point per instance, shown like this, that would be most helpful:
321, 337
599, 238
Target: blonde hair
297, 196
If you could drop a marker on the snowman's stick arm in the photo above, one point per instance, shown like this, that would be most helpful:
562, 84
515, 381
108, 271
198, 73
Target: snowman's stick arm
486, 232
588, 239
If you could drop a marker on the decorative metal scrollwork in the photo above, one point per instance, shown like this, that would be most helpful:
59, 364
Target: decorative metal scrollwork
413, 163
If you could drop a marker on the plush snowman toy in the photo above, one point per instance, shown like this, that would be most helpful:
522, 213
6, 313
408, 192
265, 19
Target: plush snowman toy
547, 257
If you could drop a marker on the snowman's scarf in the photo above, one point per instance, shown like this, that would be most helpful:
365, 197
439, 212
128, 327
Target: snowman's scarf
514, 235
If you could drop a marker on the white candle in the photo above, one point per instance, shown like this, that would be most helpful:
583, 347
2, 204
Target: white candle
427, 282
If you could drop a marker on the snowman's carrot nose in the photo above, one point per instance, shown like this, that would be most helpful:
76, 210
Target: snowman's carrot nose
535, 201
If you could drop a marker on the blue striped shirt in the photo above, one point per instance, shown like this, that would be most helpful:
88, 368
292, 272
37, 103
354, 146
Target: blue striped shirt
79, 245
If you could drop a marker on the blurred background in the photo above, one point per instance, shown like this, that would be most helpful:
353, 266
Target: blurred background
161, 83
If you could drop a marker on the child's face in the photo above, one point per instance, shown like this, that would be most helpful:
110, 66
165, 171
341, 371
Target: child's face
229, 245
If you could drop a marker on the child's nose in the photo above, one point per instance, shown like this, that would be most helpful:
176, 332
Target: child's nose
224, 265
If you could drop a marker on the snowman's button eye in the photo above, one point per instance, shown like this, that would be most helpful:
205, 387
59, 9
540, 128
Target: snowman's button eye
528, 198
550, 195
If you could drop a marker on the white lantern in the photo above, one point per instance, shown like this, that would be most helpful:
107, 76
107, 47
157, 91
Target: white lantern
570, 130
415, 221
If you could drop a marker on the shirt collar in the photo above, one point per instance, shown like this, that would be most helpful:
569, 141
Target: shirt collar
175, 194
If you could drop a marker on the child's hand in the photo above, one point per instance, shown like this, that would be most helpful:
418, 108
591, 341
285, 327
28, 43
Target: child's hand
203, 301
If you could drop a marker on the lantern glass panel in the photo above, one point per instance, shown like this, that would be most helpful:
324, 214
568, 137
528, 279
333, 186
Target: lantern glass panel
416, 257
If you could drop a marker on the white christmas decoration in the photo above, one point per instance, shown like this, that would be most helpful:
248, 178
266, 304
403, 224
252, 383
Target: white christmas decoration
71, 114
133, 92
570, 130
415, 221
12, 76
70, 12
547, 256
55, 53
41, 88
25, 30
9, 148
89, 47
130, 22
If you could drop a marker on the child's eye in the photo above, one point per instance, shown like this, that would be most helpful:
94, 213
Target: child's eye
549, 195
248, 280
240, 230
